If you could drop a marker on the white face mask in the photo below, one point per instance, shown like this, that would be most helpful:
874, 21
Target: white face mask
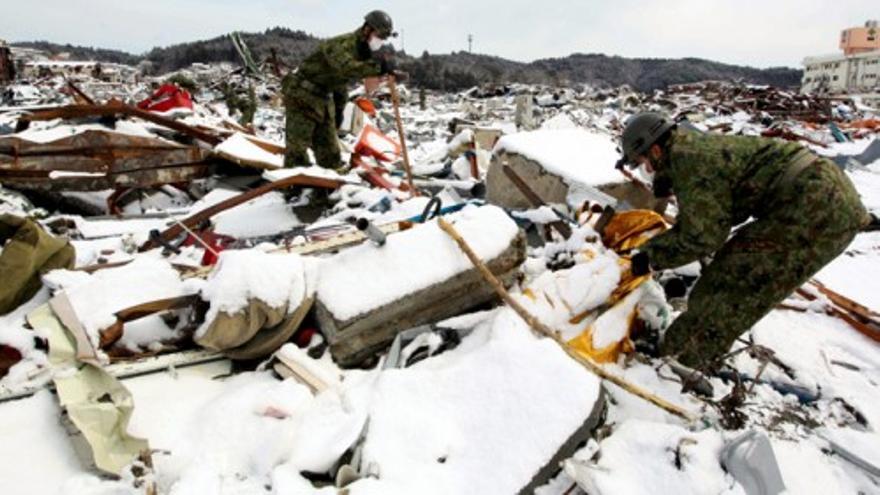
648, 176
376, 43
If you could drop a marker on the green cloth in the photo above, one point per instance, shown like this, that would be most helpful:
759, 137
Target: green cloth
28, 253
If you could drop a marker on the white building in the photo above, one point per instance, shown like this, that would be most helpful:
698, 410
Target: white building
832, 74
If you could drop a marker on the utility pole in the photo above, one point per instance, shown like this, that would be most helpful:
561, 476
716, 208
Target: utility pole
470, 43
402, 41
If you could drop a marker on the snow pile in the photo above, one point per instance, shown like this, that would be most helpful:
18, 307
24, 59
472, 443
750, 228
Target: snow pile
576, 155
243, 275
559, 296
356, 280
477, 419
239, 148
560, 121
31, 430
587, 285
97, 297
265, 215
648, 457
855, 275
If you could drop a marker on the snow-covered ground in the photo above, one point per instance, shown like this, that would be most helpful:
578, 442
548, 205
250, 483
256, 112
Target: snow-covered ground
480, 418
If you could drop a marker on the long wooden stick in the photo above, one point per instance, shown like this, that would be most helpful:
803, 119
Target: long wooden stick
395, 102
546, 331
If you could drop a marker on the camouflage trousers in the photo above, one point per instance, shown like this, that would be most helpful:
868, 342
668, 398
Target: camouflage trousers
304, 130
812, 220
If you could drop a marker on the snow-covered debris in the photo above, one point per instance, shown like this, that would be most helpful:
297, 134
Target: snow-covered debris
576, 155
647, 456
365, 277
97, 297
242, 150
279, 280
480, 419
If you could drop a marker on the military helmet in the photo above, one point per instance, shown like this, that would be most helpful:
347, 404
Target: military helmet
641, 132
381, 22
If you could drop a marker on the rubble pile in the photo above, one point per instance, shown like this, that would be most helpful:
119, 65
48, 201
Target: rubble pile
241, 327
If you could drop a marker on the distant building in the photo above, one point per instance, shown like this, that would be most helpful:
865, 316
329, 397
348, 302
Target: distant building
109, 72
860, 39
856, 70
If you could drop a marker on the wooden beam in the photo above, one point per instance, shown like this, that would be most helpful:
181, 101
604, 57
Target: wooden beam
194, 220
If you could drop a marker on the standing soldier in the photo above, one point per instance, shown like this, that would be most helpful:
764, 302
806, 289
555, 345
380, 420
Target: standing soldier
316, 93
805, 210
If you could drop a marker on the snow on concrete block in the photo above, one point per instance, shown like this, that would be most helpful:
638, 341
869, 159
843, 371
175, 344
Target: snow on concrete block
367, 294
551, 161
496, 415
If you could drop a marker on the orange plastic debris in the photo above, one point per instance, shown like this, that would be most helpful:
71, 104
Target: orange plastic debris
366, 105
375, 143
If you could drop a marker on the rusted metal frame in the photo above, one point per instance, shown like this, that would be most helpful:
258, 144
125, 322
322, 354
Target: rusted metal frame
106, 161
194, 220
139, 177
84, 142
112, 109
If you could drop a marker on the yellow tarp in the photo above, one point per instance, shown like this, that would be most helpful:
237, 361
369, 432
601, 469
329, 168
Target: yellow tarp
625, 231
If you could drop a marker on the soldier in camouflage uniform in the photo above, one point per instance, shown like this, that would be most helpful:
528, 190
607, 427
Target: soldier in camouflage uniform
316, 93
805, 210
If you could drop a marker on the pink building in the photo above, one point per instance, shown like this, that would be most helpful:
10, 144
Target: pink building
860, 39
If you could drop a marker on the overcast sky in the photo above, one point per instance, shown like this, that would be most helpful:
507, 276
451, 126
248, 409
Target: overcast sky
761, 33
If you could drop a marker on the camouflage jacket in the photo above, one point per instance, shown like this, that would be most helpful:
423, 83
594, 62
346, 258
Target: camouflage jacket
719, 182
329, 70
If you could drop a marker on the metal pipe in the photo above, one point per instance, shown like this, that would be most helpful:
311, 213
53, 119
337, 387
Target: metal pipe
371, 231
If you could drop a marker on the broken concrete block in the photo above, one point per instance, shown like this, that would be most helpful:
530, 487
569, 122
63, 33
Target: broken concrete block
558, 164
525, 112
493, 435
367, 294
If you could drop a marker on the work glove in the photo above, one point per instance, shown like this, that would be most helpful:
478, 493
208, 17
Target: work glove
640, 264
662, 186
675, 287
385, 57
400, 76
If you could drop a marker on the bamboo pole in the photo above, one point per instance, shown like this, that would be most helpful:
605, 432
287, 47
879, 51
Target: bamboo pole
395, 101
546, 331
